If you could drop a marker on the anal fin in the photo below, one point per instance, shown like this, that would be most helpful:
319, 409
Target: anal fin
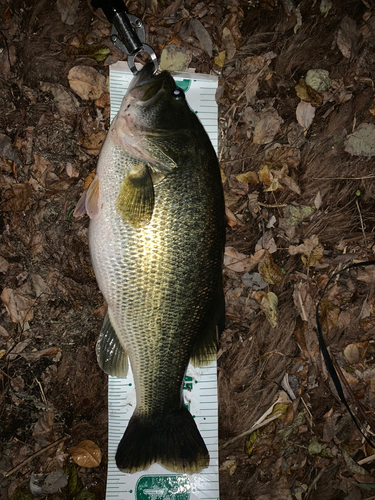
111, 355
205, 348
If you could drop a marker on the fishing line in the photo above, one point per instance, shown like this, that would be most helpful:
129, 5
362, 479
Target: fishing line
327, 358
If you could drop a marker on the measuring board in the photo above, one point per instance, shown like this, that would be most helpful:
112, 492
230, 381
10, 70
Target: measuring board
200, 386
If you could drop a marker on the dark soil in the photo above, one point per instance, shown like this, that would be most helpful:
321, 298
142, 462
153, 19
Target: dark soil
52, 310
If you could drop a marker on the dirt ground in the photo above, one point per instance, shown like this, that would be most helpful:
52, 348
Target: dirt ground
296, 152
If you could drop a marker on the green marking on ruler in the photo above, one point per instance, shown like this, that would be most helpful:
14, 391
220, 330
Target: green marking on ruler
176, 487
188, 383
184, 85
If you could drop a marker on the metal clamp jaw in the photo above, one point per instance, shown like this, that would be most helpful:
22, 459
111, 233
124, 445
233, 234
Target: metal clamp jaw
128, 33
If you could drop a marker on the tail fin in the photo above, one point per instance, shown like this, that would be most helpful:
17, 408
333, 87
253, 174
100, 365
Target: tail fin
174, 442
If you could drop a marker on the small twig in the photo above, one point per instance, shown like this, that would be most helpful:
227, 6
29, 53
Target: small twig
312, 485
309, 415
249, 431
281, 205
366, 460
362, 226
41, 392
40, 452
344, 178
356, 238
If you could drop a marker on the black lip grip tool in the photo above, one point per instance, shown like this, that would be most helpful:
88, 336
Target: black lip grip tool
128, 32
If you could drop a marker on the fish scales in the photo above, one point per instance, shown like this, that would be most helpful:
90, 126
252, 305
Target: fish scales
161, 278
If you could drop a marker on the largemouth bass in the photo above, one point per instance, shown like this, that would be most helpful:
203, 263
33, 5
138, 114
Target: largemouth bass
156, 240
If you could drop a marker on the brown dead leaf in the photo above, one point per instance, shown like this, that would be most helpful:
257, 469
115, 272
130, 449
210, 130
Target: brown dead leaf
175, 58
65, 102
268, 305
239, 262
284, 156
4, 265
21, 195
231, 218
310, 258
36, 243
40, 169
248, 177
264, 175
306, 247
347, 37
87, 82
43, 429
308, 94
86, 454
266, 130
329, 314
18, 306
67, 10
17, 383
202, 35
41, 289
270, 272
93, 143
290, 183
228, 43
351, 353
88, 180
305, 113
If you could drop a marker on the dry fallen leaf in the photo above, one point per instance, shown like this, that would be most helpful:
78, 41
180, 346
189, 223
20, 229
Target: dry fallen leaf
283, 156
228, 43
239, 262
87, 82
306, 247
266, 130
269, 270
68, 10
86, 454
305, 113
20, 197
248, 177
174, 58
43, 429
308, 94
290, 183
362, 141
351, 353
94, 142
202, 35
4, 265
348, 37
310, 258
18, 306
269, 307
329, 314
219, 60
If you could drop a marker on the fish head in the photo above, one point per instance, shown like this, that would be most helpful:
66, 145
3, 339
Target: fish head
155, 123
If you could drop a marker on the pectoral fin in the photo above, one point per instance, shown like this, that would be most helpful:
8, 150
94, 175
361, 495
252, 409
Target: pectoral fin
111, 355
135, 201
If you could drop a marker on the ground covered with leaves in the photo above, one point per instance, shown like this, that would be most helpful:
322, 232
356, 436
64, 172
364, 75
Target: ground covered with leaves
297, 142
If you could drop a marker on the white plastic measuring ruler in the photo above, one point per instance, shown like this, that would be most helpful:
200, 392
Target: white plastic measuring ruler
200, 387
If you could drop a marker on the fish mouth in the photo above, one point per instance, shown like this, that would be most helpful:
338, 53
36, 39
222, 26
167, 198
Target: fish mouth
145, 87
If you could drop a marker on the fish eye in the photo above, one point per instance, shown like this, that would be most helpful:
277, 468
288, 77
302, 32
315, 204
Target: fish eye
178, 94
